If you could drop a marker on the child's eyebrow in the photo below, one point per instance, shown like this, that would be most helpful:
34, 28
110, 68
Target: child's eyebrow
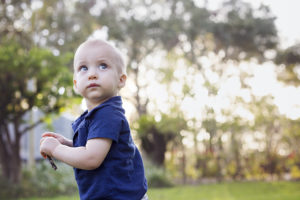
78, 63
102, 59
106, 61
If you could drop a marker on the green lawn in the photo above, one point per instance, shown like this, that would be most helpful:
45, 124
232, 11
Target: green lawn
223, 191
231, 191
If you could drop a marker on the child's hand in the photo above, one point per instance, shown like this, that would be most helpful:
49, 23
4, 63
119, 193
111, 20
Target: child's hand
59, 137
48, 145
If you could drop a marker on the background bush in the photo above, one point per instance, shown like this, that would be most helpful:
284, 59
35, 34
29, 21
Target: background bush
42, 182
157, 176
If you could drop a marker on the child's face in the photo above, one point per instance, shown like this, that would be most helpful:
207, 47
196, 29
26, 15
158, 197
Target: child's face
97, 74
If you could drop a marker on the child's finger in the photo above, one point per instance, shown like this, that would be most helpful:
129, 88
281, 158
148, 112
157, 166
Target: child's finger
49, 134
44, 155
42, 140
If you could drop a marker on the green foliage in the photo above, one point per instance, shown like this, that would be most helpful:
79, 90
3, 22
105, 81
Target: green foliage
295, 172
166, 125
55, 24
32, 78
44, 181
158, 180
157, 177
155, 135
190, 32
244, 32
29, 78
290, 58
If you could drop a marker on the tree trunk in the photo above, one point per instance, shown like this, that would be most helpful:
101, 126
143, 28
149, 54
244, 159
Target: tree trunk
219, 160
183, 165
10, 155
155, 145
236, 152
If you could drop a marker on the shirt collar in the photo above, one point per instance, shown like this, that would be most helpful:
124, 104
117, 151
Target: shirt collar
115, 101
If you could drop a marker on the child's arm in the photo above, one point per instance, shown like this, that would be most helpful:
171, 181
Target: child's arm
89, 157
59, 137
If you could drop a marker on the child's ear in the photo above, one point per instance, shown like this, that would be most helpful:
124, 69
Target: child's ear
75, 86
122, 81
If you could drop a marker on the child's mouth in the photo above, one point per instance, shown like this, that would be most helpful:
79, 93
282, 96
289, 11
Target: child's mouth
93, 85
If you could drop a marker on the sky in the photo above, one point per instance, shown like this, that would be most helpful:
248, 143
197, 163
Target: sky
287, 98
287, 14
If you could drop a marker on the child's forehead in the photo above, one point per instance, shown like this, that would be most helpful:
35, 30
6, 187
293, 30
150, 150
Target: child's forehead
94, 46
98, 49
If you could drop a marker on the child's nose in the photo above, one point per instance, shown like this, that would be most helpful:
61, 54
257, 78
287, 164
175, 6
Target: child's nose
93, 73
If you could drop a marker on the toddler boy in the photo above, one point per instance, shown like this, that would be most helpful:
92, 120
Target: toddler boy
106, 162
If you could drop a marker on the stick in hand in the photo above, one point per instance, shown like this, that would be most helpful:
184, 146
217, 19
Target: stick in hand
52, 163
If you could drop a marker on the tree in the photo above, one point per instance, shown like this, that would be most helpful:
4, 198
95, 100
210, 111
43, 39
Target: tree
289, 58
137, 35
235, 127
180, 28
53, 24
28, 78
269, 121
291, 137
155, 135
245, 33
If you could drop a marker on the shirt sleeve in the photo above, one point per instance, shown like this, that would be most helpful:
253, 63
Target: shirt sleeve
105, 123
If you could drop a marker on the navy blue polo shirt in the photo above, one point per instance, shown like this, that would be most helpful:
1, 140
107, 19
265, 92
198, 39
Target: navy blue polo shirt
121, 174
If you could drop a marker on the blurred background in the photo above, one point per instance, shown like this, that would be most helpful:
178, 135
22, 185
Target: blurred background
212, 94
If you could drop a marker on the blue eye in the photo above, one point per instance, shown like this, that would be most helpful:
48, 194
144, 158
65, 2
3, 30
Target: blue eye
103, 66
83, 68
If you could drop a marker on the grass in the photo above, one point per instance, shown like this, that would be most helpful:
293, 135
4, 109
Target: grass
223, 191
231, 191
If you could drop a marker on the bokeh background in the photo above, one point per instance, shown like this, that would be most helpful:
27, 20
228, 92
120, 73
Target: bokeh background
212, 94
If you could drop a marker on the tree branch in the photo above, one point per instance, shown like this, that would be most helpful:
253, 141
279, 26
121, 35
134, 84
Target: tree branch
31, 126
